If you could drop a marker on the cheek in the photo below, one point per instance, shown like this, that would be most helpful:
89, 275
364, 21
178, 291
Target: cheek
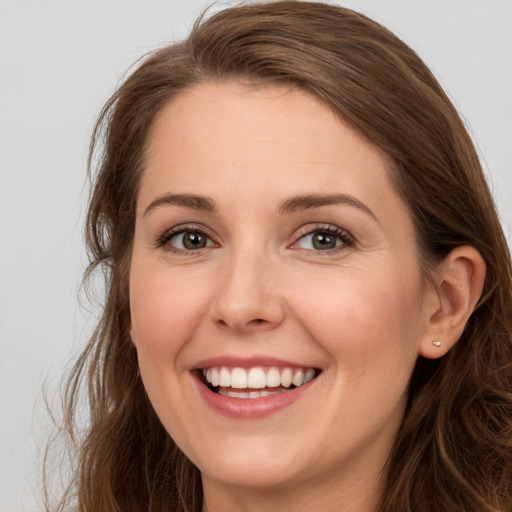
361, 317
164, 309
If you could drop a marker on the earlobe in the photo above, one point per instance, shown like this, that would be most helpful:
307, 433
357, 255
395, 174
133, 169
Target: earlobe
459, 284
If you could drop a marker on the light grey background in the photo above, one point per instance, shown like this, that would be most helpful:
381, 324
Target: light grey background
59, 61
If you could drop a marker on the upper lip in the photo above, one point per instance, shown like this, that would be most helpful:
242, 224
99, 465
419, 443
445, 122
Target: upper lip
248, 362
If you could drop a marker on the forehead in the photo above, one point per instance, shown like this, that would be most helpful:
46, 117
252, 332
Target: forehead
252, 131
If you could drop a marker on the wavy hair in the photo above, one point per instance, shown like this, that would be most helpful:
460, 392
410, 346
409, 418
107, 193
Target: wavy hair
453, 452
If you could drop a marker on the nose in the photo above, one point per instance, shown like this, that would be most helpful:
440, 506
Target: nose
248, 298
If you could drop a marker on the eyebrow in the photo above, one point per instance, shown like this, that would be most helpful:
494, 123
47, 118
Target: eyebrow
290, 205
187, 200
305, 202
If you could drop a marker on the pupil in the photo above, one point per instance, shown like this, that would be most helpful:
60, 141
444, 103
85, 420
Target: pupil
194, 240
324, 241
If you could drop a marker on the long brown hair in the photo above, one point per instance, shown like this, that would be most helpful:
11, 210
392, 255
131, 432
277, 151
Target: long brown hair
454, 449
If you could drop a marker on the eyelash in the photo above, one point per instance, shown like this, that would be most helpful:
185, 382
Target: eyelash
178, 230
347, 240
344, 236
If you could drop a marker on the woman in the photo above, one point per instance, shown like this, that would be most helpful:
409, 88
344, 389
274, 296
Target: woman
308, 289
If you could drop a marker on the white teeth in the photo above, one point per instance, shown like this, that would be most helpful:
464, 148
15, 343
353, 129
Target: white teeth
236, 394
224, 377
298, 378
248, 394
287, 377
273, 378
238, 378
257, 378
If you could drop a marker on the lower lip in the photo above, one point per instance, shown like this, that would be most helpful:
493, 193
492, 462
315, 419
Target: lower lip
251, 408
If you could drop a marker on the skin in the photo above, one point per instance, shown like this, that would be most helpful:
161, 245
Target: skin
360, 312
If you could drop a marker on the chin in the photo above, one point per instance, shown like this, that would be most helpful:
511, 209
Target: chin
252, 471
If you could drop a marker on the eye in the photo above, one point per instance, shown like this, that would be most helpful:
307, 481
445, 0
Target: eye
324, 238
186, 239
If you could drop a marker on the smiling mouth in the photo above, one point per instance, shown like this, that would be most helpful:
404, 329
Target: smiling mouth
256, 382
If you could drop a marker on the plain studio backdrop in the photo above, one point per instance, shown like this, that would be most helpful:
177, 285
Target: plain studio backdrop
59, 62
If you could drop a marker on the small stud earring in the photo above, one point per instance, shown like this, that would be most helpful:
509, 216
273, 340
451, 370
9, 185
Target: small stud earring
436, 343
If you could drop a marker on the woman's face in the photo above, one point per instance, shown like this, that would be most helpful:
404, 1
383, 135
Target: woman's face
270, 249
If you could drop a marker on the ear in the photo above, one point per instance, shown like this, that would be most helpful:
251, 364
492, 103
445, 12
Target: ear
459, 284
